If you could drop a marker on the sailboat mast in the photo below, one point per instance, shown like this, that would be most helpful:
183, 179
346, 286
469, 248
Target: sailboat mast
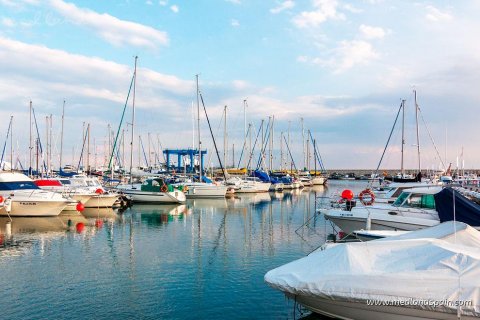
200, 160
133, 118
11, 143
61, 135
31, 142
402, 168
245, 126
88, 148
418, 132
225, 138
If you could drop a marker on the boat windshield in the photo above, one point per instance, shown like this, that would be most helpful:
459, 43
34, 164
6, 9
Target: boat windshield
18, 185
401, 199
425, 201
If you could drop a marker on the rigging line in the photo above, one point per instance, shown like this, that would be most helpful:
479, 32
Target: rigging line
39, 141
144, 154
291, 157
254, 145
5, 144
431, 138
388, 141
218, 130
213, 138
244, 145
121, 121
266, 137
81, 152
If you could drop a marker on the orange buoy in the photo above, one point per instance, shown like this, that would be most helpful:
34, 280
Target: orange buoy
347, 194
99, 191
80, 227
80, 207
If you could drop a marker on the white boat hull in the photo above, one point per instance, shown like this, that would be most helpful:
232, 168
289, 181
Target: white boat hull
34, 208
101, 201
206, 191
362, 311
318, 181
176, 196
253, 187
348, 222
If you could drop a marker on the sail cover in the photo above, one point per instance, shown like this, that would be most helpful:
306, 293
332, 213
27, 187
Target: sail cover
462, 209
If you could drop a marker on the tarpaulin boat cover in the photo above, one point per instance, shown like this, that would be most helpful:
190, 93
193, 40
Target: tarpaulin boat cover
424, 265
462, 209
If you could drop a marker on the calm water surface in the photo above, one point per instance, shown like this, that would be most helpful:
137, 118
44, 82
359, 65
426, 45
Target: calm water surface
202, 260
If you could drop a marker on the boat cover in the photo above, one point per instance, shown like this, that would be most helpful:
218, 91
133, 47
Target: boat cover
465, 210
425, 265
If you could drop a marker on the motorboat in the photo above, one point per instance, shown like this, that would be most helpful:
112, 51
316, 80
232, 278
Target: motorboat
153, 190
248, 185
102, 197
194, 189
390, 191
23, 198
414, 209
55, 185
427, 274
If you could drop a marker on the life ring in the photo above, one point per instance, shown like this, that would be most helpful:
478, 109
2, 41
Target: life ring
164, 188
367, 197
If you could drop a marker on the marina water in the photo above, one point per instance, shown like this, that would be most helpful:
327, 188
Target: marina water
202, 260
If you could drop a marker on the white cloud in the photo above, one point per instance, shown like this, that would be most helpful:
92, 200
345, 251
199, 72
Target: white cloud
115, 31
354, 52
370, 32
174, 8
162, 3
324, 10
234, 1
8, 22
283, 6
436, 15
235, 23
149, 2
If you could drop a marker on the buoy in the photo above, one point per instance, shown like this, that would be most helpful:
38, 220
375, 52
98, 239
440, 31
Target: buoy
80, 226
98, 223
341, 235
99, 191
80, 207
347, 194
69, 223
1, 199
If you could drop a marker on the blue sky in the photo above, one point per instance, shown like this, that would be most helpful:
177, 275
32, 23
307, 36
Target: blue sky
342, 66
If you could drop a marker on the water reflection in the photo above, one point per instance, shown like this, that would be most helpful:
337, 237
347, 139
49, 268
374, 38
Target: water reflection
206, 257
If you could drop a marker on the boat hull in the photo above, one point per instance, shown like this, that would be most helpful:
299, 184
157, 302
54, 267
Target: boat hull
206, 191
34, 208
349, 223
156, 197
363, 311
101, 201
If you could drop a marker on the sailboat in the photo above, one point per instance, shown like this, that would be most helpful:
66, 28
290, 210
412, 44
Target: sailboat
402, 176
153, 190
205, 188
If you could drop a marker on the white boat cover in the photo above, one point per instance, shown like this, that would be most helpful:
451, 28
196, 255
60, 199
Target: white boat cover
435, 269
